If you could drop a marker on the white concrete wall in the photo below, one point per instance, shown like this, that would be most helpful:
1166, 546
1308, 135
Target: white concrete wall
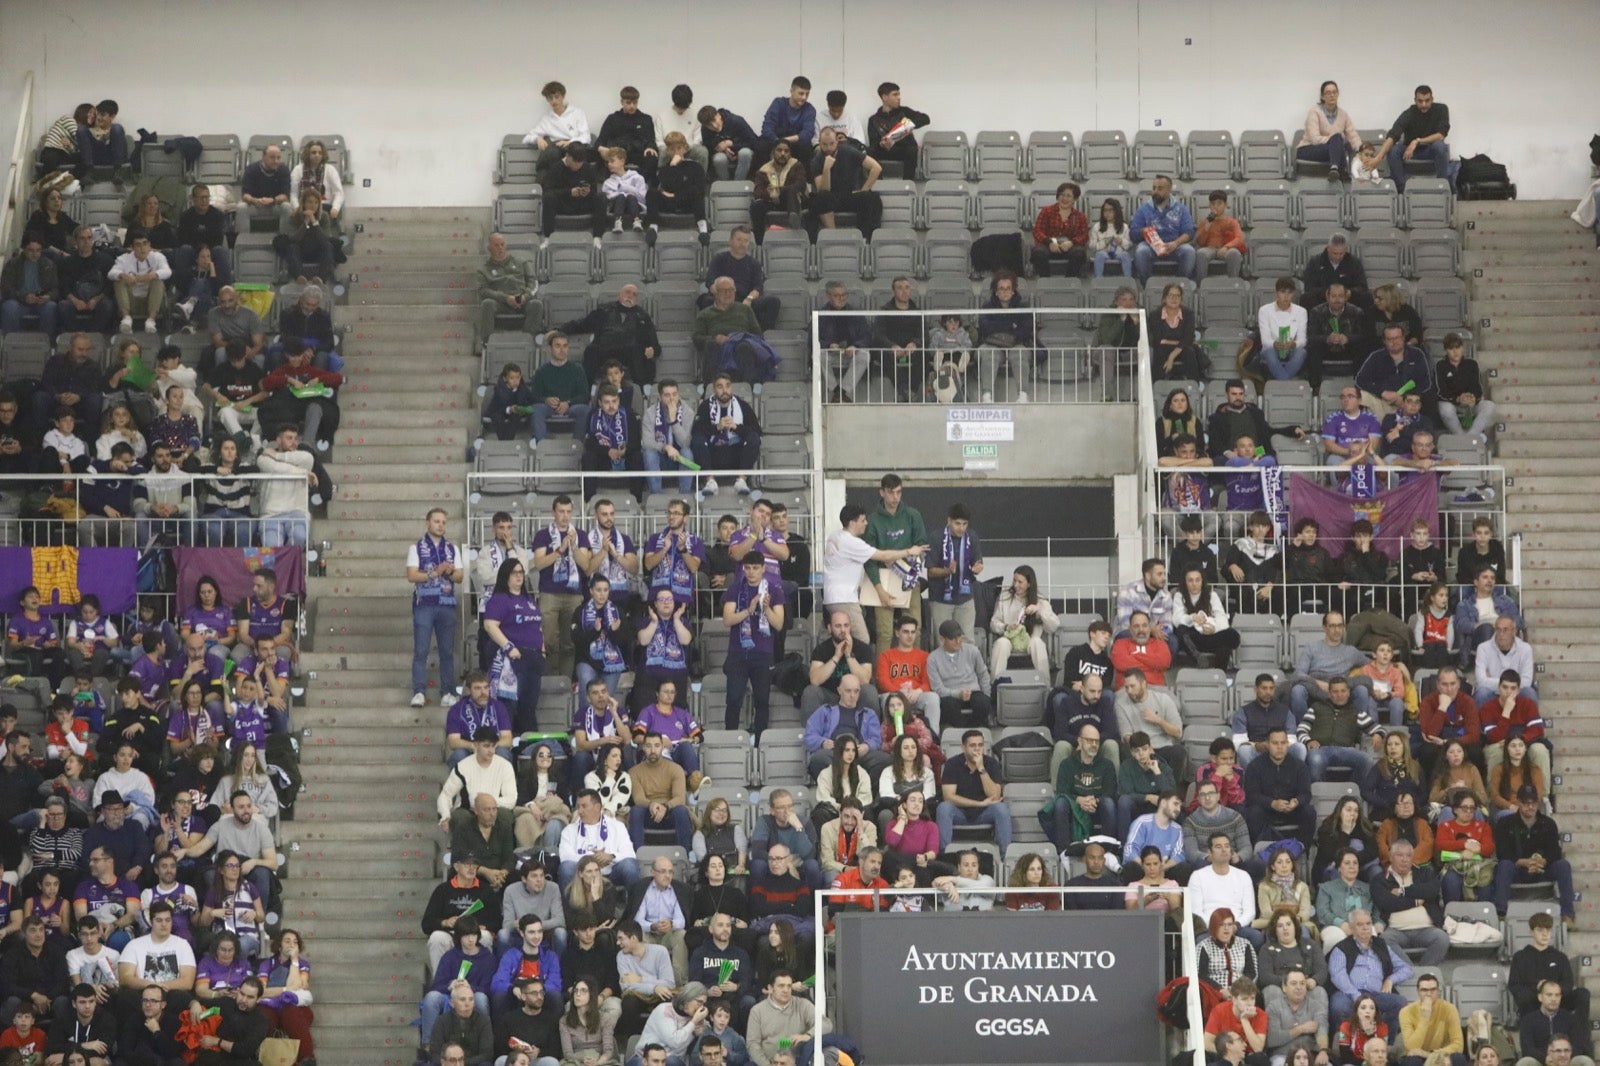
424, 91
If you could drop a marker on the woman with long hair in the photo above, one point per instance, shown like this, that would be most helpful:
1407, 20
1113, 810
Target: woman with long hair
1282, 889
1345, 828
588, 1037
1340, 897
315, 172
249, 773
1453, 772
1513, 771
908, 772
1021, 621
1201, 620
542, 791
1173, 353
1178, 418
592, 892
1151, 890
210, 616
1405, 823
1109, 239
1391, 775
780, 950
1032, 872
286, 974
719, 834
912, 840
148, 217
842, 779
232, 904
612, 783
219, 971
226, 497
515, 627
118, 427
1364, 1023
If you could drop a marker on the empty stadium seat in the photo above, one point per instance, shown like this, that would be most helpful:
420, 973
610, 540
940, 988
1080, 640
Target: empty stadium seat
1052, 152
794, 311
678, 256
1268, 203
24, 355
1263, 155
1382, 251
100, 205
998, 206
517, 162
672, 307
566, 300
899, 198
786, 255
997, 156
1435, 253
254, 259
1429, 203
1210, 156
1203, 693
1368, 205
518, 212
1225, 301
947, 253
842, 255
623, 257
1288, 403
730, 204
1324, 207
946, 204
1260, 645
569, 257
1103, 155
1442, 303
1019, 697
895, 253
220, 161
1274, 252
1156, 152
942, 155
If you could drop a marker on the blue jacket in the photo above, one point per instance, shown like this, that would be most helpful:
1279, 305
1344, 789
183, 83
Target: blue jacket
1379, 374
825, 719
1467, 610
784, 121
735, 129
1171, 223
511, 962
482, 970
100, 493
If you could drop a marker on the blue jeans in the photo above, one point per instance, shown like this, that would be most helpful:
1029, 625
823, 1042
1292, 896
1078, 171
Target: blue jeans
587, 673
1144, 260
434, 1004
654, 460
227, 528
1394, 708
1438, 151
1506, 873
997, 815
578, 412
677, 819
1319, 759
285, 529
1101, 258
1282, 367
97, 319
1335, 152
13, 312
433, 623
686, 753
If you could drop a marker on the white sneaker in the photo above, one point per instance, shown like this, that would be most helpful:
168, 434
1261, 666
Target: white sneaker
126, 325
1022, 397
616, 226
741, 486
988, 397
418, 699
597, 241
638, 225
149, 325
447, 699
710, 487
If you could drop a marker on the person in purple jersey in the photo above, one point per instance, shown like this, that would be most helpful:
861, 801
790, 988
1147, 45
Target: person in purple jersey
209, 616
112, 900
753, 610
1352, 424
664, 639
677, 727
271, 673
555, 557
217, 975
760, 537
265, 614
32, 641
597, 636
246, 716
470, 713
674, 555
515, 626
173, 892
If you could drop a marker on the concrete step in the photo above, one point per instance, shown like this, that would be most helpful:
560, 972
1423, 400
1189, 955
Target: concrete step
417, 454
1552, 240
366, 888
1514, 358
340, 755
365, 849
1518, 445
460, 293
1554, 485
1508, 395
388, 473
1491, 341
411, 311
369, 776
398, 739
1546, 411
1519, 468
450, 394
393, 491
413, 332
398, 510
413, 806
1521, 502
1475, 210
1494, 268
381, 437
1506, 295
1548, 316
357, 586
1562, 559
444, 417
380, 369
1555, 595
437, 249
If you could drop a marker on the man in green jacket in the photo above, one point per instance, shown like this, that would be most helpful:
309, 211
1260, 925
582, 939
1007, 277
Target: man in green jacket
893, 527
560, 389
506, 287
713, 324
1086, 794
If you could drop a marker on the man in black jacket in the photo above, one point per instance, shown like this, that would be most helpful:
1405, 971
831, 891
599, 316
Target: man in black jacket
680, 189
622, 331
200, 226
1337, 330
86, 299
86, 1027
243, 1028
1237, 417
1527, 845
1405, 888
1539, 961
634, 132
574, 189
1335, 263
33, 969
151, 1038
534, 1026
904, 149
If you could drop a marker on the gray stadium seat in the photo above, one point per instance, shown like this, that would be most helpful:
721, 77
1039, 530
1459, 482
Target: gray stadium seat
899, 198
25, 355
1325, 795
1442, 303
948, 253
254, 259
895, 253
623, 257
1382, 252
1321, 207
1435, 253
786, 255
730, 204
1211, 156
517, 162
1268, 203
725, 757
1052, 152
946, 204
999, 206
795, 307
518, 212
220, 159
1203, 693
672, 306
1103, 155
1260, 646
781, 757
942, 155
1263, 155
569, 257
1429, 203
1029, 765
1020, 696
1274, 252
841, 255
1369, 205
100, 205
1225, 301
997, 156
678, 256
1288, 403
1484, 913
1157, 152
566, 300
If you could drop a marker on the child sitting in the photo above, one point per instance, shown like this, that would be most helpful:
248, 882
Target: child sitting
952, 350
508, 409
64, 734
247, 717
86, 702
624, 190
23, 1035
1389, 681
90, 638
1364, 169
1462, 407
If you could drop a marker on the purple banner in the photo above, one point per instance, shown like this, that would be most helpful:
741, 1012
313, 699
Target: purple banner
64, 574
235, 567
1391, 513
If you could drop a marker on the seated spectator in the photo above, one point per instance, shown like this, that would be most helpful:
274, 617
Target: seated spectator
1142, 708
1349, 426
849, 716
1218, 234
838, 656
726, 320
1512, 770
1543, 1029
1405, 898
560, 389
1282, 326
780, 185
680, 734
1174, 354
1157, 826
1498, 652
779, 895
680, 187
1284, 914
506, 285
957, 672
1166, 219
1448, 714
1404, 823
1465, 846
1006, 335
1223, 953
1186, 492
1178, 419
1506, 712
1318, 663
1366, 1030
847, 342
86, 292
911, 839
1200, 620
623, 190
1335, 265
300, 393
572, 187
729, 141
1395, 366
593, 833
726, 433
1538, 962
633, 131
1463, 408
842, 177
559, 128
660, 796
1527, 847
972, 793
1254, 720
1239, 1017
1021, 621
1297, 1018
1364, 964
1430, 1027
1277, 788
1144, 648
1482, 551
264, 191
29, 289
1109, 239
847, 837
1336, 730
1238, 417
1085, 793
610, 440
1419, 132
782, 827
231, 320
1330, 134
52, 223
1341, 897
1120, 331
1337, 331
1393, 773
900, 338
1061, 235
1249, 490
662, 907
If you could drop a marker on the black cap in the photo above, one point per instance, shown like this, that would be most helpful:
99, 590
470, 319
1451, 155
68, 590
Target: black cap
485, 732
1527, 792
465, 856
110, 798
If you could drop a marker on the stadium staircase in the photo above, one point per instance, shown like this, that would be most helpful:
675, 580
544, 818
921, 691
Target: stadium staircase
1535, 280
364, 846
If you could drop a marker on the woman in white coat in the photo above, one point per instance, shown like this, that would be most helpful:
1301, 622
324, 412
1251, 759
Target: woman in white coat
1200, 620
1021, 621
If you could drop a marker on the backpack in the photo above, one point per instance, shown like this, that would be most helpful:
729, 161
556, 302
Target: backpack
1480, 178
1172, 1002
789, 676
998, 251
1020, 742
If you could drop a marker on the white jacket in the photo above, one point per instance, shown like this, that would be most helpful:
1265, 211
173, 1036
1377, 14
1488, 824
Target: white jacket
283, 497
1216, 614
570, 125
1008, 612
331, 182
498, 779
1584, 215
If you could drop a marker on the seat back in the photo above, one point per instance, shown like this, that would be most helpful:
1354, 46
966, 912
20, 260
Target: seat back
569, 257
895, 253
1430, 203
1263, 155
1269, 203
1442, 303
678, 256
999, 206
1274, 252
518, 212
1053, 152
1104, 155
1019, 697
730, 204
1321, 207
1372, 205
786, 255
946, 204
1157, 152
517, 162
221, 157
1382, 251
842, 255
1211, 156
1224, 301
1434, 253
1030, 765
947, 253
1288, 403
997, 155
942, 155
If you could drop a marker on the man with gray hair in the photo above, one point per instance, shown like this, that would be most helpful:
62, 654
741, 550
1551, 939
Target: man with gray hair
232, 320
725, 315
506, 286
1335, 263
623, 331
846, 343
1406, 899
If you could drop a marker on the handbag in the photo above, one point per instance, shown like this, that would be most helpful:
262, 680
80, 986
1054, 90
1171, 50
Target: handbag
279, 1050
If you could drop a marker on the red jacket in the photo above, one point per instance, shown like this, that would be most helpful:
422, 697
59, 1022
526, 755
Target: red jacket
1524, 713
279, 378
1451, 835
1154, 658
1459, 721
1050, 225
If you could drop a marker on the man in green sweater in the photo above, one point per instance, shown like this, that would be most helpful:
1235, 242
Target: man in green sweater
893, 527
561, 388
1086, 794
713, 324
506, 287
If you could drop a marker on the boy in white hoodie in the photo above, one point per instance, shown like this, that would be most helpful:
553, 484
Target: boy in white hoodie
624, 190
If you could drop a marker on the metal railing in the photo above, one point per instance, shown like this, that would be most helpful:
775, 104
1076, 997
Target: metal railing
14, 197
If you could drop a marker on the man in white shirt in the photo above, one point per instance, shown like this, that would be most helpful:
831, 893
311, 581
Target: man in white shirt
484, 773
560, 126
139, 276
158, 958
682, 118
844, 560
283, 505
1283, 333
834, 118
1222, 884
595, 833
